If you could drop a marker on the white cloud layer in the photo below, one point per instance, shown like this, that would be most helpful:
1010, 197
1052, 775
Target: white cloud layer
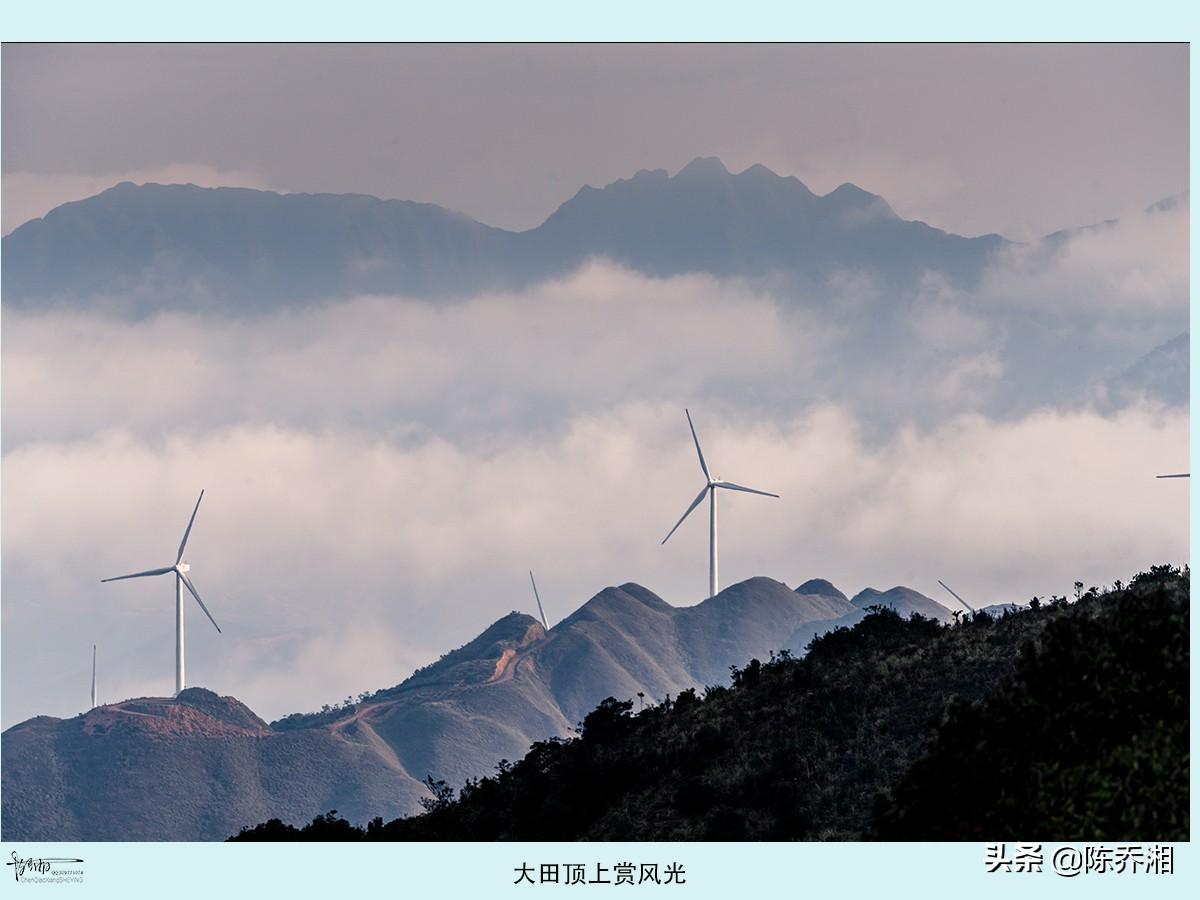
394, 364
1041, 326
337, 561
1138, 263
381, 473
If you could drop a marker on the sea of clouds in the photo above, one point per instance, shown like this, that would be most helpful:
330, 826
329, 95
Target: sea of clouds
381, 473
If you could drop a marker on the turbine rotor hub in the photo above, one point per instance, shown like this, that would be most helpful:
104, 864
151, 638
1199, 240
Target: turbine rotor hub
183, 567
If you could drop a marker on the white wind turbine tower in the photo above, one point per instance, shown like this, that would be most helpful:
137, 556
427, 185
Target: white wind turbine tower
180, 570
93, 676
711, 490
541, 612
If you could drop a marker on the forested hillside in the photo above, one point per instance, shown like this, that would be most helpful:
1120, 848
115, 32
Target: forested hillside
1065, 721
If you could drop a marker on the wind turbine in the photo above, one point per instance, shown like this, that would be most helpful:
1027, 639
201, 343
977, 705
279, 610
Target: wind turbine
710, 488
180, 570
93, 676
956, 597
539, 601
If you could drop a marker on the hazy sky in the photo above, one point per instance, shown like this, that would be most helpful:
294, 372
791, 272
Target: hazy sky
381, 472
1016, 139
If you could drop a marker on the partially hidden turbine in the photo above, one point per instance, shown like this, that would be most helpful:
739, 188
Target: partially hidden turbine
180, 570
537, 597
711, 490
956, 597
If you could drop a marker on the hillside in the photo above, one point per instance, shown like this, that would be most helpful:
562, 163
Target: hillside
142, 248
1068, 721
201, 767
180, 769
902, 600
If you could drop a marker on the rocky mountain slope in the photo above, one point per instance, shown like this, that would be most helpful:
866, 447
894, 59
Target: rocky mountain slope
201, 766
1068, 720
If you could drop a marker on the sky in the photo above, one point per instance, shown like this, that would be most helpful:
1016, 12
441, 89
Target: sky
1020, 140
382, 472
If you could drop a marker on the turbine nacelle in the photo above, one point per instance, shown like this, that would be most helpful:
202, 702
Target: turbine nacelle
182, 582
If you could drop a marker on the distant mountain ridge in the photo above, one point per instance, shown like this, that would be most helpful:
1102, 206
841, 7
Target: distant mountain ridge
1163, 373
152, 246
200, 767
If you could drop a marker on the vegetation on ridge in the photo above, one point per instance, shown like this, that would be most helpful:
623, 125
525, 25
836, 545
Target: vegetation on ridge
1066, 721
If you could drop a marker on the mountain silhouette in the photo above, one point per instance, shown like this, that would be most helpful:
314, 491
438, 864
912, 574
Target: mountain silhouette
152, 246
1161, 374
1068, 719
820, 587
200, 766
179, 769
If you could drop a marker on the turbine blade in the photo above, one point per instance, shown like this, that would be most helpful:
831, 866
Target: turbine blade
699, 452
1180, 475
541, 611
956, 597
183, 543
738, 487
187, 582
695, 503
141, 574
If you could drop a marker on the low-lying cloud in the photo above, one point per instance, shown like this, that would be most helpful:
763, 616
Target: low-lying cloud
381, 473
496, 362
1135, 266
337, 561
1044, 324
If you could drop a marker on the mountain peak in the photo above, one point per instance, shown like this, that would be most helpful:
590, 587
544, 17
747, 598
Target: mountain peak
758, 170
650, 175
704, 167
850, 197
243, 250
819, 587
865, 596
754, 582
756, 591
850, 191
760, 595
195, 712
475, 660
645, 595
511, 628
620, 601
903, 600
1169, 204
228, 710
